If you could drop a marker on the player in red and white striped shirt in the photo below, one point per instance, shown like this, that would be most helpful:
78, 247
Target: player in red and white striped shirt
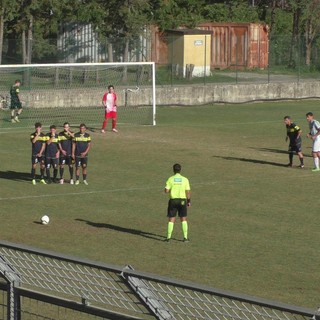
109, 101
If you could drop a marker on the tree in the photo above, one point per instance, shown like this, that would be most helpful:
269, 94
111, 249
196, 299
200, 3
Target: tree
33, 26
217, 12
133, 18
296, 7
8, 12
311, 20
241, 12
172, 14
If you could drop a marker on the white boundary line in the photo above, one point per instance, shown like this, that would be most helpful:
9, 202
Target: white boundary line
194, 186
69, 194
90, 192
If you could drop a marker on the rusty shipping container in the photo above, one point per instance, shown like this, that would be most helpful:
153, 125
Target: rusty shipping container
233, 45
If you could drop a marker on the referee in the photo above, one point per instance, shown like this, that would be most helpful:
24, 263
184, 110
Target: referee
178, 188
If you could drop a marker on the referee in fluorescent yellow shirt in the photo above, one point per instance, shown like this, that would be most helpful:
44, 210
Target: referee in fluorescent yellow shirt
178, 188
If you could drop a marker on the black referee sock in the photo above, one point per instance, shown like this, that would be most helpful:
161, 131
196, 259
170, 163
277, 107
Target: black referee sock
48, 174
61, 172
42, 173
291, 158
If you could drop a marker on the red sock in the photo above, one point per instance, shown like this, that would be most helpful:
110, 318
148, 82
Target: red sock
104, 124
114, 123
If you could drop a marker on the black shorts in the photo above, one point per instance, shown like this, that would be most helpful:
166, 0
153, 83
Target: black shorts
15, 105
35, 159
52, 162
66, 160
81, 162
295, 148
177, 206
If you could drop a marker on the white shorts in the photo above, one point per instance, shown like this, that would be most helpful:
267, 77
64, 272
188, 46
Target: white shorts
316, 145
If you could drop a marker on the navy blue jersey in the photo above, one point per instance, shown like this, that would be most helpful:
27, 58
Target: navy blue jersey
36, 146
81, 140
65, 140
293, 132
52, 148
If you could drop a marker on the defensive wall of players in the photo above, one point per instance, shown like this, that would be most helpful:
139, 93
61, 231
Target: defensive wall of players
180, 95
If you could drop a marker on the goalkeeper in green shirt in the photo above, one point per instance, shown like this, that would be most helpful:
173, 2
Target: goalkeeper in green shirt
178, 187
15, 106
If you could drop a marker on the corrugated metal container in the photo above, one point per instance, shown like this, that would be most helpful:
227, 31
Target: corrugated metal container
159, 46
233, 45
238, 45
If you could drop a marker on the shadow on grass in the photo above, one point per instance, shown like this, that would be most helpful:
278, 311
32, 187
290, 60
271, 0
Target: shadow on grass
123, 229
14, 175
253, 161
279, 151
271, 150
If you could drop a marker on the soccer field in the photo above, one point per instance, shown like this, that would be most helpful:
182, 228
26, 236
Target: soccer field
253, 223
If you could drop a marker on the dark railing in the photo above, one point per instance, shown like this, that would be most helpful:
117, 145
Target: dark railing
42, 283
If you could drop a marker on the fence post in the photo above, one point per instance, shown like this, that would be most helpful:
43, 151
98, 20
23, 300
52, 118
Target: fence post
148, 296
13, 280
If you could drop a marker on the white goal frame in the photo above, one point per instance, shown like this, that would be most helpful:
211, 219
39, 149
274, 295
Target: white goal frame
132, 88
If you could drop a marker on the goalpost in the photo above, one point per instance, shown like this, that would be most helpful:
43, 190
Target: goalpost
56, 93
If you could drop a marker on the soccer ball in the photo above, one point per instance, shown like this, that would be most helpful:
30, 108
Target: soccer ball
45, 220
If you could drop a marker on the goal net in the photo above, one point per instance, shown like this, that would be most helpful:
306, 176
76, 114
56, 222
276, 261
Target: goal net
58, 93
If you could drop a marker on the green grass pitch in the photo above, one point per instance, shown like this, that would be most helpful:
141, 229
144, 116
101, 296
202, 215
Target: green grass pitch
253, 224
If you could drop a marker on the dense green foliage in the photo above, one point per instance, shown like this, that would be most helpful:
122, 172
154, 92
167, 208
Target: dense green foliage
35, 23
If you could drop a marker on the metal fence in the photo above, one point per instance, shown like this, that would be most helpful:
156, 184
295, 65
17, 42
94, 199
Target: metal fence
235, 57
37, 284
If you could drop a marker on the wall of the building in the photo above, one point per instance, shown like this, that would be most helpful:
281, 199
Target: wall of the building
197, 52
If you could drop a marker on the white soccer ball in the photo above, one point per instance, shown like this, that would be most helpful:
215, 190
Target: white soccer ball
45, 219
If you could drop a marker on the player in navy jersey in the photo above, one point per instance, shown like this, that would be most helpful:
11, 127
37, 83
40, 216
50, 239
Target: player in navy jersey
295, 141
65, 147
38, 141
80, 148
52, 153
